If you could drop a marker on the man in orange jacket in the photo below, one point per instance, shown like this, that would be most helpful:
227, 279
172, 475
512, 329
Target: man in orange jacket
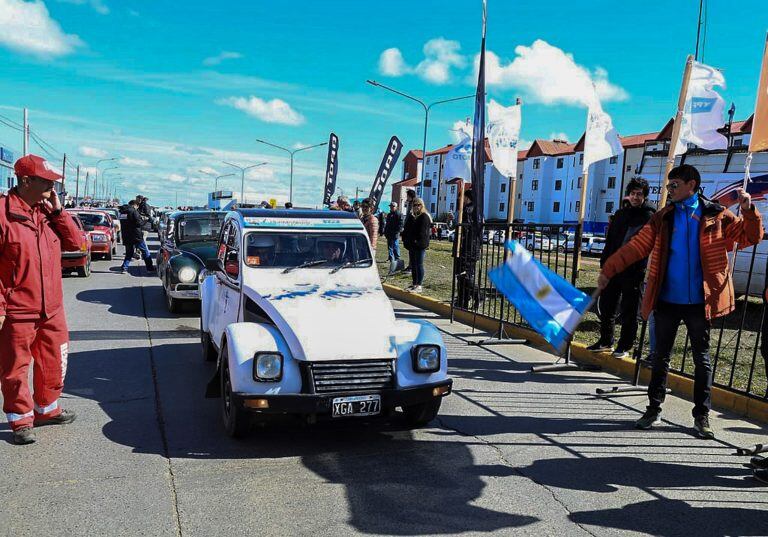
33, 232
688, 280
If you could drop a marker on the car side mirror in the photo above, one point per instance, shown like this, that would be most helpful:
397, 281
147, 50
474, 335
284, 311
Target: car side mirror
213, 265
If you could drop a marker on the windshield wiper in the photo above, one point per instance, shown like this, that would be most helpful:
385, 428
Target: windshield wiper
350, 264
306, 264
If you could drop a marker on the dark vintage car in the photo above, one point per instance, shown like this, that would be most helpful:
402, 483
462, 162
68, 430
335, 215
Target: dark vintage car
190, 237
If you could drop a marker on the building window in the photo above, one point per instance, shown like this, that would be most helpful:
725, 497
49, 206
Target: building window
432, 208
738, 142
559, 163
581, 158
629, 167
501, 207
535, 184
609, 207
556, 207
558, 184
453, 189
434, 190
530, 206
611, 182
519, 196
570, 206
503, 187
521, 176
434, 175
451, 209
578, 206
578, 183
536, 164
614, 159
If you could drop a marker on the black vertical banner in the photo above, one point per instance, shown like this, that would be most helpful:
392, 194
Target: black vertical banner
385, 170
478, 145
331, 168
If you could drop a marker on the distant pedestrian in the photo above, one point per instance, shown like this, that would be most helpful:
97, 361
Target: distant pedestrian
131, 223
625, 287
342, 204
288, 205
357, 209
370, 222
393, 226
688, 243
467, 257
33, 327
416, 241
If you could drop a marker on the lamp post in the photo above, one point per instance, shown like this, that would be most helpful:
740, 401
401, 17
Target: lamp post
291, 152
242, 176
216, 178
96, 175
104, 179
427, 108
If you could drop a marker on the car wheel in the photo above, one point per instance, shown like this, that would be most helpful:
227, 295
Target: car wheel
174, 304
529, 247
209, 351
85, 271
422, 413
237, 421
561, 249
108, 256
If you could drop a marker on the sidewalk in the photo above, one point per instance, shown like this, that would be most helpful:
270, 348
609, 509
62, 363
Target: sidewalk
608, 476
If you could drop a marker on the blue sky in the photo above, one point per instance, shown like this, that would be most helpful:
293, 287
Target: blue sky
175, 87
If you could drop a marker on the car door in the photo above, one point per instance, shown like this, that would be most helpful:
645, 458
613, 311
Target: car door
232, 276
214, 311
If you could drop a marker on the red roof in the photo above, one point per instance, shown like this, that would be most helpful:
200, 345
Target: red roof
550, 148
522, 155
415, 152
440, 151
407, 182
638, 140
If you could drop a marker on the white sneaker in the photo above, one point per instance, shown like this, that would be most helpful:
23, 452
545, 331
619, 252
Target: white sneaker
619, 354
409, 289
417, 289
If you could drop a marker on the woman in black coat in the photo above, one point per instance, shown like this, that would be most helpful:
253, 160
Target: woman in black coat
416, 235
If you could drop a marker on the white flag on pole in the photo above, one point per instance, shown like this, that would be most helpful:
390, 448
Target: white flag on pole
458, 160
503, 136
601, 140
703, 111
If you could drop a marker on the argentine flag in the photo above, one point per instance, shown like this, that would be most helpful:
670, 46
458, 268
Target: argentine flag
551, 305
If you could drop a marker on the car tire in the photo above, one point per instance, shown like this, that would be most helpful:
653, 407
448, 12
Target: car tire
420, 414
209, 351
108, 256
85, 271
237, 422
174, 304
561, 249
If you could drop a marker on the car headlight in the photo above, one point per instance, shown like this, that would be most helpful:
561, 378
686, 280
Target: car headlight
267, 366
426, 358
187, 274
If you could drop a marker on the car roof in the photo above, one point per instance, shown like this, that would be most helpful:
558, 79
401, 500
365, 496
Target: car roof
296, 218
177, 214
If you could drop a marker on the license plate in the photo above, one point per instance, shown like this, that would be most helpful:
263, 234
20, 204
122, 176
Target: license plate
358, 405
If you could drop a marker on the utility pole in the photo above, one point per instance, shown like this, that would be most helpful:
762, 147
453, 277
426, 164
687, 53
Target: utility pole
25, 134
77, 184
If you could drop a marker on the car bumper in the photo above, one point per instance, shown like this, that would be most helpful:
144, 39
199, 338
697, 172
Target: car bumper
184, 291
74, 259
101, 247
320, 404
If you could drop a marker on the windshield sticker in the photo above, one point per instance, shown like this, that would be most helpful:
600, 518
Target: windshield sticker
345, 292
293, 293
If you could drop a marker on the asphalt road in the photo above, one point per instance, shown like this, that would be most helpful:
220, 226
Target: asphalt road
512, 452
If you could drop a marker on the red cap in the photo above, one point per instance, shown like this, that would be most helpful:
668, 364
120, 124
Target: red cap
34, 166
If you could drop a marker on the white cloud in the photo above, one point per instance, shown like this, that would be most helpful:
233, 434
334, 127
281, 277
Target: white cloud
549, 75
29, 28
559, 136
98, 5
176, 178
459, 126
91, 152
134, 162
440, 57
274, 111
224, 55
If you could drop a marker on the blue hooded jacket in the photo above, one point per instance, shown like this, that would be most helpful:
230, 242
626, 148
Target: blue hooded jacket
684, 279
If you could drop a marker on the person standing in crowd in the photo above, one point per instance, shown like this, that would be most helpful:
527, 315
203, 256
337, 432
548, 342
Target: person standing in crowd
688, 280
33, 326
288, 205
131, 223
370, 222
625, 224
416, 241
469, 253
342, 204
393, 225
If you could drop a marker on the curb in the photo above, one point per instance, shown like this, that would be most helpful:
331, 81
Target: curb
682, 386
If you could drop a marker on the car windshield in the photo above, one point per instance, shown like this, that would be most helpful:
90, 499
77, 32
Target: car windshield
313, 250
197, 228
93, 219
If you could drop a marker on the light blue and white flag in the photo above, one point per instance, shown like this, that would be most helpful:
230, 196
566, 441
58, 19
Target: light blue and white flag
457, 161
703, 111
550, 304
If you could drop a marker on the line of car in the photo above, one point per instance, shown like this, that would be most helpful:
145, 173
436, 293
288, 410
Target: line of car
100, 230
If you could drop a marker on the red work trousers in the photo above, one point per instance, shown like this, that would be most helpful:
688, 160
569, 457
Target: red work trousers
46, 343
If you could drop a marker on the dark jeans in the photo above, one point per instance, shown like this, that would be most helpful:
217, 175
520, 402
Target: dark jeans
628, 288
668, 317
466, 290
416, 259
393, 249
129, 248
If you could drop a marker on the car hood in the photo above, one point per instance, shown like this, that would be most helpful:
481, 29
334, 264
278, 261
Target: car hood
322, 316
203, 250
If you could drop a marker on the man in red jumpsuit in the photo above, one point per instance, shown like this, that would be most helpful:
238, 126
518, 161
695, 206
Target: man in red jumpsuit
33, 232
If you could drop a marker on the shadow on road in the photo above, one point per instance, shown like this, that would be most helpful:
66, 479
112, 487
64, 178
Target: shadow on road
128, 301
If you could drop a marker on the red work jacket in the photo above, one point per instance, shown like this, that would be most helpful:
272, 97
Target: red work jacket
31, 242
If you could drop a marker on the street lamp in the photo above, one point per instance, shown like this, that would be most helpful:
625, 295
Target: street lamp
217, 177
291, 152
242, 176
426, 107
104, 179
96, 178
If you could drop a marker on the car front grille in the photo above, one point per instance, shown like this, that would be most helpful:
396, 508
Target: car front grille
352, 376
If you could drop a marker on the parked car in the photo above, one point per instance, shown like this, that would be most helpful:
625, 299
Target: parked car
295, 316
439, 230
79, 260
99, 226
114, 214
190, 238
536, 241
597, 246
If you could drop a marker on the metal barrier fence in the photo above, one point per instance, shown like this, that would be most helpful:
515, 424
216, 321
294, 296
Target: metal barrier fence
738, 341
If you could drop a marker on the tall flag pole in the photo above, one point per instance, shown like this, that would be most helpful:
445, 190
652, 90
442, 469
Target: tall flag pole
759, 139
478, 144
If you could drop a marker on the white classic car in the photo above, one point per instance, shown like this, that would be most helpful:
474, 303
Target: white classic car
294, 313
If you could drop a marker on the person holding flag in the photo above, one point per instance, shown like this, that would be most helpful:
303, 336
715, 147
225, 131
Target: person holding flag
688, 280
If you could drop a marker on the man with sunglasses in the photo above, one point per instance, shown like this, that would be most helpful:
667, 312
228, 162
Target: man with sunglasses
688, 280
33, 232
